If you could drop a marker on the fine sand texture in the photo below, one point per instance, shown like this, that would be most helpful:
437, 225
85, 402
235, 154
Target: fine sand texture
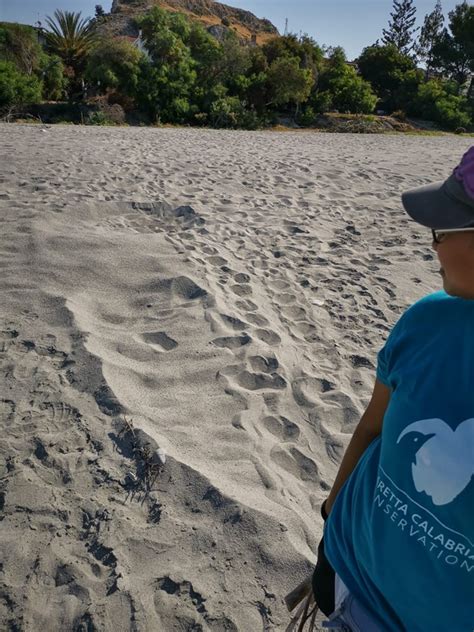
216, 296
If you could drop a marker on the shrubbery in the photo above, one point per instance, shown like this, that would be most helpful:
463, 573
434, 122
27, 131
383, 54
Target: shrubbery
114, 64
341, 88
27, 73
17, 88
392, 75
437, 101
188, 77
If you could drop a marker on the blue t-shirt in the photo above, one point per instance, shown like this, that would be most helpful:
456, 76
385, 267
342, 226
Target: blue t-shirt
401, 532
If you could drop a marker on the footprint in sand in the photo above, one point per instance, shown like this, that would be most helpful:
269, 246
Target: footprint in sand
296, 463
217, 261
159, 340
233, 322
138, 353
358, 361
263, 365
286, 299
232, 342
334, 449
242, 289
209, 250
246, 305
259, 381
281, 427
7, 410
306, 390
256, 319
279, 284
113, 319
294, 312
268, 336
184, 288
240, 277
53, 415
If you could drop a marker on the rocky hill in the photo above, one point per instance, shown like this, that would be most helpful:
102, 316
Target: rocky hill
216, 17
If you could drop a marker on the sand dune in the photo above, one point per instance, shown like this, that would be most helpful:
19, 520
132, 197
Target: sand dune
224, 292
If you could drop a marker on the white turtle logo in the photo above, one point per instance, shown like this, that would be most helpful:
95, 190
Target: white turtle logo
444, 464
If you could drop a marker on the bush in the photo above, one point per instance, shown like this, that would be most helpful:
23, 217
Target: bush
201, 118
307, 117
341, 88
225, 112
118, 98
288, 82
55, 82
17, 88
392, 75
436, 101
179, 110
19, 45
114, 64
322, 102
400, 115
98, 118
231, 112
114, 113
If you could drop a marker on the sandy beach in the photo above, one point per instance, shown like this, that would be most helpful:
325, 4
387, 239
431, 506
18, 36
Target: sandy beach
225, 295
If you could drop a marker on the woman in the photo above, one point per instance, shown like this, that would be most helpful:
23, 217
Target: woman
398, 546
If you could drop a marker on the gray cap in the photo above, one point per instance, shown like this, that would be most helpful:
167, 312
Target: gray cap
440, 205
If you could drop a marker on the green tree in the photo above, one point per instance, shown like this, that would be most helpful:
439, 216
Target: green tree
453, 53
288, 82
304, 48
429, 35
222, 71
114, 64
393, 75
167, 81
254, 88
285, 74
226, 111
437, 101
341, 88
71, 38
401, 29
17, 88
207, 54
55, 83
19, 44
235, 59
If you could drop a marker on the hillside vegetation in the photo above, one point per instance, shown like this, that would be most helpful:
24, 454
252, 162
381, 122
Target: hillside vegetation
123, 15
157, 65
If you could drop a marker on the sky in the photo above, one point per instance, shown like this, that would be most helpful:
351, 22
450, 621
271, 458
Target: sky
352, 24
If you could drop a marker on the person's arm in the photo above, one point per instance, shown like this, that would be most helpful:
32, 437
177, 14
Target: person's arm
369, 427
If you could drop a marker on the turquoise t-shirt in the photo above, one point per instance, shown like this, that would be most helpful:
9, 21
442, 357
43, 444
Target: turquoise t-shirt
401, 532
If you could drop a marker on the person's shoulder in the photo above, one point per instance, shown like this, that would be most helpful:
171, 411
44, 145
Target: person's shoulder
429, 302
437, 302
431, 308
423, 309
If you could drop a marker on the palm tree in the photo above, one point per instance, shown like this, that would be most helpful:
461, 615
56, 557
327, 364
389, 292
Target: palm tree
71, 38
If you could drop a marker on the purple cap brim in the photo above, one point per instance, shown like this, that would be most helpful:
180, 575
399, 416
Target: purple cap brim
440, 205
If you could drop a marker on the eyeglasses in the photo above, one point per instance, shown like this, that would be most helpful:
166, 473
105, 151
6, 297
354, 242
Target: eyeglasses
440, 235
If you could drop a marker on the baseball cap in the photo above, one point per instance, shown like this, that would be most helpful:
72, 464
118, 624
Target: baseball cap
447, 204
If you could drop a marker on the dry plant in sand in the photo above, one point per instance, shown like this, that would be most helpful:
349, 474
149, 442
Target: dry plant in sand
150, 461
